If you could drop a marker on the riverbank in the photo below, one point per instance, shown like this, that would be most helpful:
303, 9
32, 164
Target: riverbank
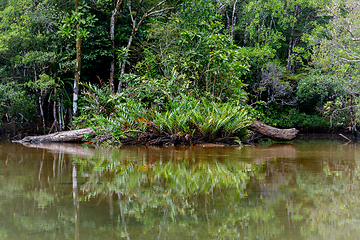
155, 138
16, 131
153, 135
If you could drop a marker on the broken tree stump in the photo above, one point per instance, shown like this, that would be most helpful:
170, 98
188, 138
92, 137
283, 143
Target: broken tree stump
274, 133
66, 136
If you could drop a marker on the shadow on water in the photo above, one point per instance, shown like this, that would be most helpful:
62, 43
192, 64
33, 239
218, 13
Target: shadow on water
303, 190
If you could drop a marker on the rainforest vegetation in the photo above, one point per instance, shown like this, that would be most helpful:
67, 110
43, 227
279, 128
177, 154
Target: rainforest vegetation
184, 69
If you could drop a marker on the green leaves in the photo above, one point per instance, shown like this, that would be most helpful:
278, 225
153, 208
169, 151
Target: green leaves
194, 43
77, 24
14, 28
44, 83
336, 61
184, 115
167, 184
15, 104
213, 118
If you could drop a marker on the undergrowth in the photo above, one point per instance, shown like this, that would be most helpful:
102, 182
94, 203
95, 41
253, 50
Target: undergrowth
183, 119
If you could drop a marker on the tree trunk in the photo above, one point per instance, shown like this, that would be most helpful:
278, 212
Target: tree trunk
274, 133
42, 113
56, 120
60, 115
123, 65
297, 13
114, 15
77, 66
135, 28
233, 22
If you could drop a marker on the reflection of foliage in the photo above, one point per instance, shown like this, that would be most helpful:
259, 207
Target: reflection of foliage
170, 185
43, 198
195, 194
26, 198
3, 234
192, 196
335, 200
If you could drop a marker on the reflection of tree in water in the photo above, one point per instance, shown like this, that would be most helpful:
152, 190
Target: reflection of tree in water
318, 192
332, 203
170, 184
275, 192
29, 186
205, 198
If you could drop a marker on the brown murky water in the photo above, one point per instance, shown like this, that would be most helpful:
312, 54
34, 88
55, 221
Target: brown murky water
299, 190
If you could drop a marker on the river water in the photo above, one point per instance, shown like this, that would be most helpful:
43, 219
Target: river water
306, 189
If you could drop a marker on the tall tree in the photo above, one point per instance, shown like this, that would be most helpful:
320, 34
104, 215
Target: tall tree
336, 59
77, 26
114, 14
278, 24
29, 49
226, 6
137, 19
192, 45
77, 63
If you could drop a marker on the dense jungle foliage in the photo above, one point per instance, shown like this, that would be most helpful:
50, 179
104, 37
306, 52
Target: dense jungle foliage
189, 67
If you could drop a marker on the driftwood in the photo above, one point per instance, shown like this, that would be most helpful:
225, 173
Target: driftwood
66, 136
274, 133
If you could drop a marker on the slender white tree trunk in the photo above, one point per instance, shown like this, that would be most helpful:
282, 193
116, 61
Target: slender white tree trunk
77, 67
136, 24
114, 15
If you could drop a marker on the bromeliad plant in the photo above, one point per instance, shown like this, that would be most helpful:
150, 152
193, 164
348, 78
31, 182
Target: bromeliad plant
219, 119
184, 118
209, 120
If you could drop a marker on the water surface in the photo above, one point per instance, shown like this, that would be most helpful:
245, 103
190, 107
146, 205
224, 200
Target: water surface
298, 190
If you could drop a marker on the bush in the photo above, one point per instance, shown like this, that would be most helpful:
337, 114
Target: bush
292, 117
16, 104
127, 117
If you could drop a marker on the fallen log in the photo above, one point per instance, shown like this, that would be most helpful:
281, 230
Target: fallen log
66, 136
78, 134
274, 133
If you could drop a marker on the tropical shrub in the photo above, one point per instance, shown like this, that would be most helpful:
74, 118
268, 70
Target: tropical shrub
292, 117
193, 42
185, 115
15, 103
